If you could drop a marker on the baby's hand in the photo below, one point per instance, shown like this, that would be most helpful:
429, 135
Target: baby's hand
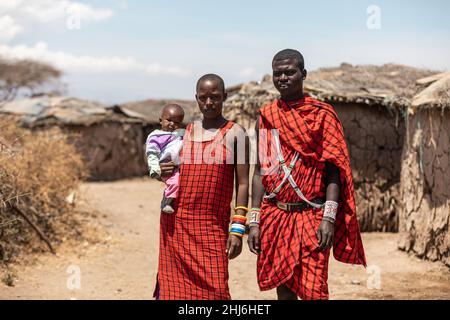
167, 168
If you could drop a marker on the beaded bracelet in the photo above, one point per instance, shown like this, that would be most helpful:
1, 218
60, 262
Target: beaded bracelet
240, 235
237, 228
254, 216
238, 222
241, 207
330, 209
239, 219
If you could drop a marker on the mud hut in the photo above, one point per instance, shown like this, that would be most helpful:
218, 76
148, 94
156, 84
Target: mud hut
370, 101
109, 139
425, 214
150, 110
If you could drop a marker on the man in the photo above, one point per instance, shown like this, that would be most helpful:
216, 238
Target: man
306, 198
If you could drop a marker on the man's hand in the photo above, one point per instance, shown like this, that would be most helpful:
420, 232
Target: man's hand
325, 235
253, 239
167, 168
234, 246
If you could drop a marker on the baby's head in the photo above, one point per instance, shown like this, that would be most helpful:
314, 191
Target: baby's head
172, 117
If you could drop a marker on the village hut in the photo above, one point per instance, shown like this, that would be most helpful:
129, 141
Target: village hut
370, 101
109, 139
425, 179
150, 110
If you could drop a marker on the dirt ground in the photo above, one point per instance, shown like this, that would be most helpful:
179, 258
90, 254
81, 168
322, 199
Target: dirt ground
123, 264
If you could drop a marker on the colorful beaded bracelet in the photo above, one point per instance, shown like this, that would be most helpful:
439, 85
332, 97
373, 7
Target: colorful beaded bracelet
240, 235
239, 219
236, 226
242, 208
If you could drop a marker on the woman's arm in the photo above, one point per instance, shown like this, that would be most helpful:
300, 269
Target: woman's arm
234, 244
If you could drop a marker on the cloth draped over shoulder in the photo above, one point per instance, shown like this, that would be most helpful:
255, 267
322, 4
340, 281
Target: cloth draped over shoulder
313, 129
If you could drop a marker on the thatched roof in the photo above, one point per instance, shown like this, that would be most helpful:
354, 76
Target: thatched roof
62, 111
150, 110
437, 94
389, 85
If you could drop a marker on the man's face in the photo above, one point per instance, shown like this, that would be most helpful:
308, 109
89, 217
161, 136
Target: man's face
288, 78
210, 97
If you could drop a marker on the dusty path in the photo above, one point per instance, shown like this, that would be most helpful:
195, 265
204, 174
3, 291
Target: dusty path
124, 266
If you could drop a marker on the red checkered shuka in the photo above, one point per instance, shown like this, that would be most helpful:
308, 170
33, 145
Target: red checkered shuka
193, 264
288, 240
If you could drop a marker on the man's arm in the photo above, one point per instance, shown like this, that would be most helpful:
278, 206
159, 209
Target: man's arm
333, 182
257, 196
325, 234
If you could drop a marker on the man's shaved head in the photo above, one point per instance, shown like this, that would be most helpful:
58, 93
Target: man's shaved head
211, 77
290, 54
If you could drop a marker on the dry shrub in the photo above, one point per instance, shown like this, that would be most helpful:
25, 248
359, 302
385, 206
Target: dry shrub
38, 171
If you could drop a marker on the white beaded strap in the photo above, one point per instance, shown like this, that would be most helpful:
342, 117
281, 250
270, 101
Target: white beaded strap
291, 180
287, 173
330, 209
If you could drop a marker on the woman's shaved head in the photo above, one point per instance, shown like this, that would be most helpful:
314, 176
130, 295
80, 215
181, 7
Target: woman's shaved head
211, 77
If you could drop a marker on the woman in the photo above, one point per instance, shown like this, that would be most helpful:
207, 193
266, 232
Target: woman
194, 242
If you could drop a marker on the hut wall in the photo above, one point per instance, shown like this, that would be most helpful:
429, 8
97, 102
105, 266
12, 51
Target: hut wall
113, 150
374, 137
425, 180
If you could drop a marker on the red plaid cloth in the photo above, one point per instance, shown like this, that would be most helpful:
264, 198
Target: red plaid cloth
192, 260
288, 240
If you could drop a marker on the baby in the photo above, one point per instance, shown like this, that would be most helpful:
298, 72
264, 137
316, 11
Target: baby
164, 145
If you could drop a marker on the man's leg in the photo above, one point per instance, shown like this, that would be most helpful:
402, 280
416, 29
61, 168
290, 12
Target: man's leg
284, 293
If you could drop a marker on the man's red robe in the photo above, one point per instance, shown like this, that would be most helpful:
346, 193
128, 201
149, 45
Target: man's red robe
288, 240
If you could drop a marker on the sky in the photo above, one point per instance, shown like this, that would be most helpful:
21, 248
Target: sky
115, 51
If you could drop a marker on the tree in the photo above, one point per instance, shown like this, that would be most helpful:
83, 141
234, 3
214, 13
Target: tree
18, 76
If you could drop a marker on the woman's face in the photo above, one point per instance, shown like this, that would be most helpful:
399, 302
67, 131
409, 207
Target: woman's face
210, 97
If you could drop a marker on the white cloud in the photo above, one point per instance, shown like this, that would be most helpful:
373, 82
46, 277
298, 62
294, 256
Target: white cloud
17, 15
9, 28
9, 5
87, 64
54, 10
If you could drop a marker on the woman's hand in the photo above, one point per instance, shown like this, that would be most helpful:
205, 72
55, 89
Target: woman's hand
167, 168
234, 246
253, 239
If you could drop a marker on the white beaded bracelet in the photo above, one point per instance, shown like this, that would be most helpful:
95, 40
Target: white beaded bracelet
254, 216
330, 209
